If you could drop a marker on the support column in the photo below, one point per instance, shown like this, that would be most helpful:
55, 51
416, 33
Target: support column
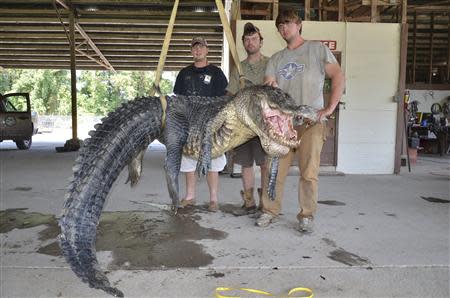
74, 143
374, 11
448, 53
341, 11
73, 75
307, 10
430, 57
400, 129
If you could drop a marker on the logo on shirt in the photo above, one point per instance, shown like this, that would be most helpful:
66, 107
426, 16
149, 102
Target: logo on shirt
207, 79
289, 71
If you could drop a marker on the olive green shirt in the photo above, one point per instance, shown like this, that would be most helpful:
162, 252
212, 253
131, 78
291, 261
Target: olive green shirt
253, 72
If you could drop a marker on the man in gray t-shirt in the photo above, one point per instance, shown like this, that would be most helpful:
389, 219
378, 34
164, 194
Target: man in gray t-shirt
300, 70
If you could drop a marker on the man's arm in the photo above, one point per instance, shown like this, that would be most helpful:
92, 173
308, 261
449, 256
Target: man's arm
334, 72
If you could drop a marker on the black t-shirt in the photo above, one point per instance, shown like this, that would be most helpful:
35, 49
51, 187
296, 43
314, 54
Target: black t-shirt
204, 81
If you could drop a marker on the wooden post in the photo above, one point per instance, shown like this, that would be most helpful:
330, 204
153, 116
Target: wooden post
430, 72
374, 11
320, 10
341, 14
448, 53
307, 9
400, 128
414, 48
405, 11
73, 74
275, 9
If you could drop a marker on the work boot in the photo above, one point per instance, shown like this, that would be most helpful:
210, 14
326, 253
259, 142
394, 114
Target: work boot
259, 190
265, 219
305, 225
249, 205
258, 211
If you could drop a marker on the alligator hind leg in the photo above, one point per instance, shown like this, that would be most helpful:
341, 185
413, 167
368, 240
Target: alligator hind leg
175, 140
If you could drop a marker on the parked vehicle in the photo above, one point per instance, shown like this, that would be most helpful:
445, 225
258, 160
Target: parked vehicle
16, 121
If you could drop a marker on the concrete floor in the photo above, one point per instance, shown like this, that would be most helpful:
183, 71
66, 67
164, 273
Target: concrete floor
375, 235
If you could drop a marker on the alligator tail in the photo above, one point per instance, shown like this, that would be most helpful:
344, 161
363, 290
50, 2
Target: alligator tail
113, 144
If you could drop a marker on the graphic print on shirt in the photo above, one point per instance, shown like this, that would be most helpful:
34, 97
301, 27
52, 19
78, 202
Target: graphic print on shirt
290, 70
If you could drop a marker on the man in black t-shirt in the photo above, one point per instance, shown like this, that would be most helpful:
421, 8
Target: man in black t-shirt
201, 79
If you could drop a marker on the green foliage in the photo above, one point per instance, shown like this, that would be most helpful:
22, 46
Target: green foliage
98, 92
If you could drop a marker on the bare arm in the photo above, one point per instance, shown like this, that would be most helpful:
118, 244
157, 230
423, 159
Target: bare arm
336, 75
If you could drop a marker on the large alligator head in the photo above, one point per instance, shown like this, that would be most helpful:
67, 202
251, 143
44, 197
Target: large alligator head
272, 114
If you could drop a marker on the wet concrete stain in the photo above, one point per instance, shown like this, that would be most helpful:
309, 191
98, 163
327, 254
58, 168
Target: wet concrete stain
18, 219
390, 214
22, 188
342, 256
331, 203
215, 274
435, 200
329, 242
137, 240
229, 208
151, 195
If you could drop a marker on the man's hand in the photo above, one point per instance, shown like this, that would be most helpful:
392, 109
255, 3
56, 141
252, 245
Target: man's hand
324, 113
270, 81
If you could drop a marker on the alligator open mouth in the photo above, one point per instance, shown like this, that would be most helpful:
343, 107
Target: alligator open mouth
279, 126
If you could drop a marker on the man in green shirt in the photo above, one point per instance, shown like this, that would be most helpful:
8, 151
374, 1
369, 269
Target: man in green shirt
253, 68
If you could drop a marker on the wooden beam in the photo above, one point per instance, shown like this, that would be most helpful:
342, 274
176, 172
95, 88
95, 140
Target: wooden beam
141, 21
307, 10
381, 2
428, 8
341, 7
61, 2
94, 47
374, 11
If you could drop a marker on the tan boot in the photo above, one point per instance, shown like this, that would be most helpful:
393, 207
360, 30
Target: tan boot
260, 206
258, 211
249, 205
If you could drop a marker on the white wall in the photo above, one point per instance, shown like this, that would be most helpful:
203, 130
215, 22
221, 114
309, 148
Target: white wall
367, 127
370, 60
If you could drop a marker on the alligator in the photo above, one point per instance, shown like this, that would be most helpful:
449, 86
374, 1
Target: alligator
201, 127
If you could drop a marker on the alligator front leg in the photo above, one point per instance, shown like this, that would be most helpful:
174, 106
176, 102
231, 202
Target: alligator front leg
204, 159
272, 181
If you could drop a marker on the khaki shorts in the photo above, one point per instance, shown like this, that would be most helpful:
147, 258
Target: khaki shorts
189, 165
249, 153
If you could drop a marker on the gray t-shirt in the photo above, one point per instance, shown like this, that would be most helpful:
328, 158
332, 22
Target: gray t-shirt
301, 72
253, 72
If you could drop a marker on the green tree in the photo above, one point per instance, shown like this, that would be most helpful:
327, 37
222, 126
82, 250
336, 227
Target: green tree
98, 92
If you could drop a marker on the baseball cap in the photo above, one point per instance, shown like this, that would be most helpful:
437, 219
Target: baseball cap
250, 29
199, 40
